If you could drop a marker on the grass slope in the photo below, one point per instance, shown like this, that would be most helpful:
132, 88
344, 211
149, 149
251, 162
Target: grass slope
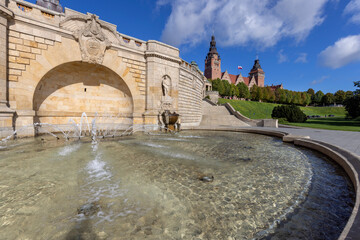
257, 110
335, 123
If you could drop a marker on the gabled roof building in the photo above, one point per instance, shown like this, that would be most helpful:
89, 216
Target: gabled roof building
213, 70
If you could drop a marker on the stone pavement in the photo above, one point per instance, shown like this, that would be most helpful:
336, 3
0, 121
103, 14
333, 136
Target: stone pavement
344, 139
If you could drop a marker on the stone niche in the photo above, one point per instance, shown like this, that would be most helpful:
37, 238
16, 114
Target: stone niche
73, 88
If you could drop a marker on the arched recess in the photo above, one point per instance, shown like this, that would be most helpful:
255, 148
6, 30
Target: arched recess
70, 89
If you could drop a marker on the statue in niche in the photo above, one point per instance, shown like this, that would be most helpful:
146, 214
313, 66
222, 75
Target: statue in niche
93, 42
166, 85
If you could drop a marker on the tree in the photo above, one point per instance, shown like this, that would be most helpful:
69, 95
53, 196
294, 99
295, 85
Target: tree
311, 92
318, 97
254, 93
215, 84
328, 99
349, 94
280, 96
357, 91
220, 87
227, 87
340, 97
305, 98
243, 90
352, 104
234, 91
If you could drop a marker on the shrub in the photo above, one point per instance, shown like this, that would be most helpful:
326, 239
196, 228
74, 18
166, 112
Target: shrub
292, 113
352, 106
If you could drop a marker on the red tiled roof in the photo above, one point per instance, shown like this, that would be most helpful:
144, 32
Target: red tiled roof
233, 78
246, 80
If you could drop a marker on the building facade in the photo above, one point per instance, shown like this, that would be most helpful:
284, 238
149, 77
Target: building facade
213, 70
57, 63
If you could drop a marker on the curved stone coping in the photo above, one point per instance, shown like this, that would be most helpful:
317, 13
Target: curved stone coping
349, 161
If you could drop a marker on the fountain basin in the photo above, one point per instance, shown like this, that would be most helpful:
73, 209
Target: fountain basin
148, 185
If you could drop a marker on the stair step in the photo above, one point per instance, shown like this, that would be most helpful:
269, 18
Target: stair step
219, 116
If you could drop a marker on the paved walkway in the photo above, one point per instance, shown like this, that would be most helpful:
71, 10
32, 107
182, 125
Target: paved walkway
344, 139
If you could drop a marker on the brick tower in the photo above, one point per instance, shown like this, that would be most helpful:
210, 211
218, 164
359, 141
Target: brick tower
212, 62
257, 73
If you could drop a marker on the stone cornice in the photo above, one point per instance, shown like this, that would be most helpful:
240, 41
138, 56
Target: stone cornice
4, 11
162, 56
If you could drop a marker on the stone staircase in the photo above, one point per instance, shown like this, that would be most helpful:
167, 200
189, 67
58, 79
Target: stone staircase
219, 116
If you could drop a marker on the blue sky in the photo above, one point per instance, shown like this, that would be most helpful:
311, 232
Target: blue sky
300, 43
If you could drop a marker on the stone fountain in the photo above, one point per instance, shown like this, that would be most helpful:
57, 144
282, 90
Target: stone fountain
169, 120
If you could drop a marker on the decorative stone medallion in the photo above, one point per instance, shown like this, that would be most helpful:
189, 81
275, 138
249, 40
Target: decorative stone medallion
93, 42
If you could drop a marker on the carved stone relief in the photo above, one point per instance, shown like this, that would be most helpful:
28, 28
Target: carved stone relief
166, 99
92, 40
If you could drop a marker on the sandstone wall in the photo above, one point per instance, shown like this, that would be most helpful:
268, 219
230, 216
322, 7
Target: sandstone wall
191, 87
51, 77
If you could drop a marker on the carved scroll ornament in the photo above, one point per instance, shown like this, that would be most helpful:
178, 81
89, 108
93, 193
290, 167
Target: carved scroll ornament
93, 42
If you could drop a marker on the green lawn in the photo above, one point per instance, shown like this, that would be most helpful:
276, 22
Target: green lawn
253, 110
336, 123
257, 110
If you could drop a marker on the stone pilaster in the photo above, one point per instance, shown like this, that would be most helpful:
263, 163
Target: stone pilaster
161, 61
6, 114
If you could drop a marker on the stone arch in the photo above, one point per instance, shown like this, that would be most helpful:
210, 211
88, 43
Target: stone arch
72, 88
63, 52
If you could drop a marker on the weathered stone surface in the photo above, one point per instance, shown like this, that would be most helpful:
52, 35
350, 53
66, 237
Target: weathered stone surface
50, 74
292, 138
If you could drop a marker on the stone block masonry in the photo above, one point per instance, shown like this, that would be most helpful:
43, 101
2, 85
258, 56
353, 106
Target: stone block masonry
138, 70
54, 67
24, 48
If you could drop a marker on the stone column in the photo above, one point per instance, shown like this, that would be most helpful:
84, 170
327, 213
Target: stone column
6, 114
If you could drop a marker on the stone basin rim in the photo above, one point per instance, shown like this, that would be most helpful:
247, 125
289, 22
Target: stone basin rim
349, 161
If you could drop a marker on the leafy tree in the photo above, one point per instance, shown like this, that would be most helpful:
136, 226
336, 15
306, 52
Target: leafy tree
357, 91
311, 92
243, 90
328, 99
305, 98
352, 104
234, 91
349, 94
253, 92
340, 97
280, 96
227, 87
215, 84
318, 97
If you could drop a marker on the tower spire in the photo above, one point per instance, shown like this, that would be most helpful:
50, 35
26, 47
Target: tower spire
213, 61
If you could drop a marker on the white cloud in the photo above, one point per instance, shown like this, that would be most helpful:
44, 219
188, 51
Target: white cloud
353, 8
282, 56
318, 81
344, 51
259, 22
302, 58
